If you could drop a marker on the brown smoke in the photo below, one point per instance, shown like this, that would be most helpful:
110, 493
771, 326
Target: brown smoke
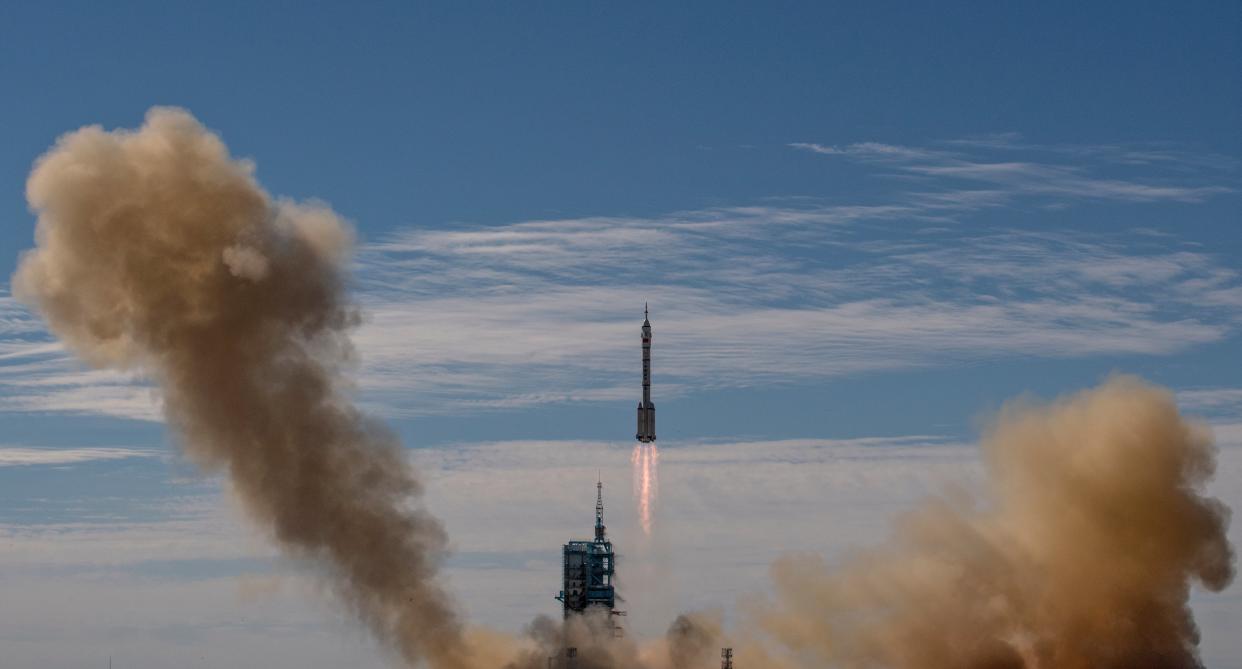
690, 643
1081, 557
157, 251
692, 639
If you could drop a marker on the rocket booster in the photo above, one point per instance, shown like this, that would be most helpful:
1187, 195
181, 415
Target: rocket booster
646, 410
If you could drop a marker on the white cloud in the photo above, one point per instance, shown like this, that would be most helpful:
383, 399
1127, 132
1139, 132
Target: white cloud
1209, 399
11, 456
1051, 172
1058, 180
15, 319
42, 377
450, 328
872, 150
544, 311
1221, 407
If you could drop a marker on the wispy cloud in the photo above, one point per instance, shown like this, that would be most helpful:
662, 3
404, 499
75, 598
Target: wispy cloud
37, 374
12, 456
41, 377
458, 321
873, 150
15, 320
1011, 168
1222, 407
460, 328
543, 311
1167, 155
1059, 180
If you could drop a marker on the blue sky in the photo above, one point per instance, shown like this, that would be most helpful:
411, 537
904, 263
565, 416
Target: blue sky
858, 228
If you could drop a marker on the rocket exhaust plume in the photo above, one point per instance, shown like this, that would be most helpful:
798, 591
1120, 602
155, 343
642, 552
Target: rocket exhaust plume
689, 643
645, 462
158, 252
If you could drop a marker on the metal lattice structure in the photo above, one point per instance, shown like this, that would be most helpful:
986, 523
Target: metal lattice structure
588, 568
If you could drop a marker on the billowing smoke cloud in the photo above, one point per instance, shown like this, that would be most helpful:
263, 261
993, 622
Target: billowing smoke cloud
1081, 556
158, 252
690, 643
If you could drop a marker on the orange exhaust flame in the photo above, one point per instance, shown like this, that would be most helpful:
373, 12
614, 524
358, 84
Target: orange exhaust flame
646, 479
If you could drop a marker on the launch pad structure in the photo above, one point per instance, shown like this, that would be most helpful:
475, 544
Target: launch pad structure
588, 568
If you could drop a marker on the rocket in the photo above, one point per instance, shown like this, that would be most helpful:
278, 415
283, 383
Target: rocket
646, 410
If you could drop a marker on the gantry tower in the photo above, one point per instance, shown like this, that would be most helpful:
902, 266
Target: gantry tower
588, 568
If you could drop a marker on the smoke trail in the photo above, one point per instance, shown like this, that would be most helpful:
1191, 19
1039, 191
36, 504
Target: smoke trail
1081, 557
690, 643
157, 251
645, 461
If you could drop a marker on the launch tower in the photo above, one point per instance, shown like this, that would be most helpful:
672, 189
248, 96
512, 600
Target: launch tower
588, 568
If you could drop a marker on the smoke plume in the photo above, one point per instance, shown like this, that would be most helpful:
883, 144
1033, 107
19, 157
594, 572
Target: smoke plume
690, 643
158, 252
1081, 556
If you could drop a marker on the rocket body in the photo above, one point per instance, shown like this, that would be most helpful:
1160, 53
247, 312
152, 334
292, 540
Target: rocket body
646, 410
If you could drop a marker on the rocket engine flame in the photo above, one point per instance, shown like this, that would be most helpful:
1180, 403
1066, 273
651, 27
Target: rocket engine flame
645, 462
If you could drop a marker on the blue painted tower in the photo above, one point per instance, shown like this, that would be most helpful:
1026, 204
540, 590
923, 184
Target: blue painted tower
588, 568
